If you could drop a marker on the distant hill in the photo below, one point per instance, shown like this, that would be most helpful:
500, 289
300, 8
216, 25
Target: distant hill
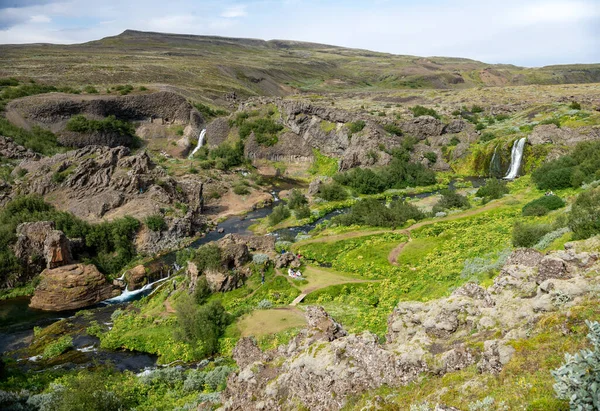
210, 66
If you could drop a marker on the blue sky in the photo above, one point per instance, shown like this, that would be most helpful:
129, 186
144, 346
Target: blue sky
521, 32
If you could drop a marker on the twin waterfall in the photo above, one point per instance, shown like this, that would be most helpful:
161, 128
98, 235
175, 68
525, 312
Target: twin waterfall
515, 159
200, 142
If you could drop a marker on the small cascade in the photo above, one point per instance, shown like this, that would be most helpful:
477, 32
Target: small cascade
130, 295
275, 198
515, 159
495, 166
200, 143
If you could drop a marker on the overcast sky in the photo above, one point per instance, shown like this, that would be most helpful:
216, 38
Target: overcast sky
522, 32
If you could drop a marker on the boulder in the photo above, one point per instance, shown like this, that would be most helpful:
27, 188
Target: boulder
262, 243
10, 149
551, 267
219, 281
193, 274
495, 356
136, 277
527, 257
321, 322
286, 260
70, 287
217, 131
455, 127
246, 352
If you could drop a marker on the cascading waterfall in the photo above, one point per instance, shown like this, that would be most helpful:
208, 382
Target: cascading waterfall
128, 295
495, 167
200, 143
515, 159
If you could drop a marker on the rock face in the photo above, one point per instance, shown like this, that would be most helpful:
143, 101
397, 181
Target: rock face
40, 246
217, 131
323, 365
70, 287
261, 243
423, 127
53, 111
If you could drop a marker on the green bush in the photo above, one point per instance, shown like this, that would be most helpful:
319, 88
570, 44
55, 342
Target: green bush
554, 121
11, 81
356, 126
226, 156
38, 139
543, 205
201, 327
584, 219
527, 235
476, 109
400, 173
419, 111
110, 124
373, 212
332, 192
487, 136
492, 189
451, 200
241, 190
580, 166
279, 213
208, 112
575, 105
454, 141
207, 257
23, 90
90, 90
578, 378
480, 126
301, 212
58, 347
393, 129
296, 199
431, 156
156, 222
265, 131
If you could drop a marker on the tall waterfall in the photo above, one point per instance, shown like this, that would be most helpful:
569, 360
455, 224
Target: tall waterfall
515, 159
200, 142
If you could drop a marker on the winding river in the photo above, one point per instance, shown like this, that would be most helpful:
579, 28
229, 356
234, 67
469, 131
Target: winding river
17, 320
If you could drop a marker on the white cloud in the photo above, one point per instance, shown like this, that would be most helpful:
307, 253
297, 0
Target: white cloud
40, 18
234, 11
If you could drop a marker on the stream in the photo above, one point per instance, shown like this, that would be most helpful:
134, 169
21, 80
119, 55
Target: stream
17, 320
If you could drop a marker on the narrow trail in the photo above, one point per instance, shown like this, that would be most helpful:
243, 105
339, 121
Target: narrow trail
393, 255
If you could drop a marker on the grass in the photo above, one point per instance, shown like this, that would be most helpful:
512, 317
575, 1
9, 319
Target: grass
323, 165
264, 322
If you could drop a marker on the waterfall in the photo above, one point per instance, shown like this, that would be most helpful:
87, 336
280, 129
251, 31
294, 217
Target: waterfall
128, 295
200, 142
515, 159
493, 168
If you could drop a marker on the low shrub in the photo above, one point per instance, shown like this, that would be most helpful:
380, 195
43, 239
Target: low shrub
419, 111
332, 192
302, 212
584, 219
393, 129
356, 126
279, 213
451, 200
578, 378
241, 190
575, 105
431, 156
492, 189
56, 348
487, 136
296, 199
265, 131
110, 124
156, 222
208, 112
543, 205
527, 235
374, 213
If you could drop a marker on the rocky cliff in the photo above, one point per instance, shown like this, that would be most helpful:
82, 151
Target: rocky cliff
322, 366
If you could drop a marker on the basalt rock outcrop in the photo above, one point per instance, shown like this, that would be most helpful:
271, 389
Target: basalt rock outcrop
14, 151
94, 181
40, 246
70, 287
54, 110
323, 365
